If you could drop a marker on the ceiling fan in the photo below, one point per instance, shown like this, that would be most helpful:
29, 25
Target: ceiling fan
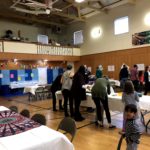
35, 7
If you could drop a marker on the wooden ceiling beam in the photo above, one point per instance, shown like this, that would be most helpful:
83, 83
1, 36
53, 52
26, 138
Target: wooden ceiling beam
69, 16
6, 15
66, 6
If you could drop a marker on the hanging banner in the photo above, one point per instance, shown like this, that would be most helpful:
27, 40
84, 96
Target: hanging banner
141, 38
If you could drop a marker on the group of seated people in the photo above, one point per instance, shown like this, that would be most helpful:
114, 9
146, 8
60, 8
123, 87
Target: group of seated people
73, 91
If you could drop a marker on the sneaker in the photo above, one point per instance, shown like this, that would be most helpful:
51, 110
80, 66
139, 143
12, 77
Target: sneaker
79, 118
112, 127
121, 132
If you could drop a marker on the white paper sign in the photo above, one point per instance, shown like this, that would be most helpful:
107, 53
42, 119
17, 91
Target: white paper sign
89, 69
1, 75
111, 68
141, 67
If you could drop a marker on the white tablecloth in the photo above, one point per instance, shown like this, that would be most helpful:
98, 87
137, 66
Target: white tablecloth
115, 103
15, 85
40, 138
30, 89
117, 83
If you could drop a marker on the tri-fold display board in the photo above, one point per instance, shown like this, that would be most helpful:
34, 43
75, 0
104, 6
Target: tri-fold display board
40, 75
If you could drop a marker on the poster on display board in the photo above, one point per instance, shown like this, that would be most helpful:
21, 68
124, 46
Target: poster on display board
111, 68
42, 75
141, 38
141, 67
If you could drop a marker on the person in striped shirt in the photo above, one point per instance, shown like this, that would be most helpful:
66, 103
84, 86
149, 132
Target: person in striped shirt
132, 128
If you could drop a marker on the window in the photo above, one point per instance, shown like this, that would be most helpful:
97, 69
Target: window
78, 37
121, 25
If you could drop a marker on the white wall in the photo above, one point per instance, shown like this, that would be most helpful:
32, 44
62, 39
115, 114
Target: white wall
108, 41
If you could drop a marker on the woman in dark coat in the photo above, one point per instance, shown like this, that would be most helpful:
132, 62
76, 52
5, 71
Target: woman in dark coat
146, 80
78, 92
56, 86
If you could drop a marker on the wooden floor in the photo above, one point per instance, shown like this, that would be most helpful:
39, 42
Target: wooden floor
89, 137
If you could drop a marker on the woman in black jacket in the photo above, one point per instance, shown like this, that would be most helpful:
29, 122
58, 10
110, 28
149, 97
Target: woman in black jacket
56, 86
123, 75
78, 92
146, 80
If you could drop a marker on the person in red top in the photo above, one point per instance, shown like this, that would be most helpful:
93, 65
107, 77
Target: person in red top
134, 77
141, 81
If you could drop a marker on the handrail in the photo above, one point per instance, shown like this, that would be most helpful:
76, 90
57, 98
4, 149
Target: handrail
1, 40
54, 50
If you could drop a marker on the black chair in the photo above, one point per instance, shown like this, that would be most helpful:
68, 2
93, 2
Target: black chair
68, 125
14, 108
25, 113
147, 126
39, 118
39, 93
47, 91
120, 142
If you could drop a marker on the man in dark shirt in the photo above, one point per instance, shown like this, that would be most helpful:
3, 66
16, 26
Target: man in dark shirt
123, 75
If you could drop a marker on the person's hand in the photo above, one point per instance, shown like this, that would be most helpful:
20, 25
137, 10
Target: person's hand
89, 88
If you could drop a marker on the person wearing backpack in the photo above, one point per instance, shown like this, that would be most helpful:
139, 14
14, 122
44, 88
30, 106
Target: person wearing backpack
66, 90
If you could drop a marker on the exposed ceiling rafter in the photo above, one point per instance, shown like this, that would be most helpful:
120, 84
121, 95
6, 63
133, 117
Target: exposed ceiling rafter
31, 19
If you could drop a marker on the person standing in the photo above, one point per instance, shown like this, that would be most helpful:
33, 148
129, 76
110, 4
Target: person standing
78, 91
87, 74
99, 72
99, 94
134, 77
146, 80
66, 90
132, 128
130, 96
123, 75
56, 86
141, 81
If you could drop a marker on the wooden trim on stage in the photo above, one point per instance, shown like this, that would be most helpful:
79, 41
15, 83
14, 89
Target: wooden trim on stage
22, 56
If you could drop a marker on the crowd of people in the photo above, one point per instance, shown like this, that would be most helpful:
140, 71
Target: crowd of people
74, 91
140, 79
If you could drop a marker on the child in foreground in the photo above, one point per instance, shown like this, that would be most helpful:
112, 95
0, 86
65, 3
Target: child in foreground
132, 128
130, 96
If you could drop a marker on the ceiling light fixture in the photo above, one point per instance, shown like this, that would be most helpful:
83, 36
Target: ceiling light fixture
79, 1
96, 32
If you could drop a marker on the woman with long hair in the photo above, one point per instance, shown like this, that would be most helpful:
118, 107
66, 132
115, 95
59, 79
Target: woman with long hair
78, 91
146, 80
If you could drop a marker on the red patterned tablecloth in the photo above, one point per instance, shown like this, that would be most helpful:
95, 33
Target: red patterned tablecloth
12, 123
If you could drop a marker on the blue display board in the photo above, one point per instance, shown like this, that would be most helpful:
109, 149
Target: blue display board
13, 75
5, 77
21, 75
55, 73
28, 76
0, 77
35, 75
49, 76
60, 71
